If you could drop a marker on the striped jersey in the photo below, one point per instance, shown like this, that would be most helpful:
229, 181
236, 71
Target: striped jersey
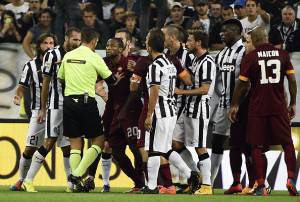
204, 71
185, 59
51, 64
162, 72
32, 77
228, 63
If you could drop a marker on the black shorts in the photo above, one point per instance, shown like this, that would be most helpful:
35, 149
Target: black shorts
81, 118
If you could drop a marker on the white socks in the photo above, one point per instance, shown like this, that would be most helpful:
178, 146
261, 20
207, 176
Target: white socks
36, 164
153, 167
24, 166
106, 165
177, 161
205, 172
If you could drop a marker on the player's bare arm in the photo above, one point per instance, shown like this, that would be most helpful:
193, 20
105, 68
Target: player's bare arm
186, 77
19, 94
203, 90
153, 97
239, 93
293, 93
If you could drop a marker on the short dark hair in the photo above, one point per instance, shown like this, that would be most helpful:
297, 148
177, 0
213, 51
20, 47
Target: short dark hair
119, 42
47, 10
90, 8
88, 34
200, 35
40, 40
234, 22
128, 35
70, 30
227, 8
156, 40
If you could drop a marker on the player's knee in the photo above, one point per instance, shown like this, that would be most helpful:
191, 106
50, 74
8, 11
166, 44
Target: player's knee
201, 150
49, 143
29, 151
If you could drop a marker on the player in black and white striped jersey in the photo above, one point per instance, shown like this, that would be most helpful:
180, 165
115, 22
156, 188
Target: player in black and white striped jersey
54, 120
197, 110
174, 42
228, 62
161, 115
32, 77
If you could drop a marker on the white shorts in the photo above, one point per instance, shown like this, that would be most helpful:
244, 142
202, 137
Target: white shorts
222, 123
160, 137
36, 131
54, 127
191, 131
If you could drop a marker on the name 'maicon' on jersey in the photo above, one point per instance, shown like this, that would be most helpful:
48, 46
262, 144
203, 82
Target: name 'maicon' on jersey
51, 63
163, 73
32, 77
185, 59
203, 69
228, 62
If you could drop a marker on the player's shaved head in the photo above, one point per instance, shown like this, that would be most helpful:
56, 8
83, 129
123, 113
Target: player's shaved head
259, 36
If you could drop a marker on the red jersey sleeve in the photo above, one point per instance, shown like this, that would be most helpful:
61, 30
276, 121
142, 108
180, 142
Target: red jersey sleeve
288, 67
245, 68
140, 70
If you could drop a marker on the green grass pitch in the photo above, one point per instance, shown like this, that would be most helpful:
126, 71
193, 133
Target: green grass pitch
57, 194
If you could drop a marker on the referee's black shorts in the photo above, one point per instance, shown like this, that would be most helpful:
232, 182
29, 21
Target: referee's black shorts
81, 118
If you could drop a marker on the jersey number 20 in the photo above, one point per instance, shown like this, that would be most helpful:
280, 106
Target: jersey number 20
275, 65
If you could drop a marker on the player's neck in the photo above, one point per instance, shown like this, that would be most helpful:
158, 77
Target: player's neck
115, 60
200, 52
175, 48
155, 55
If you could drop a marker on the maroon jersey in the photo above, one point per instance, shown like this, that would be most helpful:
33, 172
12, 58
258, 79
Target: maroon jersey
266, 67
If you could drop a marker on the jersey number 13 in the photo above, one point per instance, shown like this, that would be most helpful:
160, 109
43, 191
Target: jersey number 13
275, 65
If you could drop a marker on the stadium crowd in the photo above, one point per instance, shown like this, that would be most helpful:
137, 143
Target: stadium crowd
160, 104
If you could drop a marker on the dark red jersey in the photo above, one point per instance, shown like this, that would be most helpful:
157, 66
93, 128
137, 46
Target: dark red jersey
266, 67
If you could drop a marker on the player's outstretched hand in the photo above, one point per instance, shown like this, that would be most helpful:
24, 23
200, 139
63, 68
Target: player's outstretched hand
41, 116
292, 111
17, 100
148, 123
233, 113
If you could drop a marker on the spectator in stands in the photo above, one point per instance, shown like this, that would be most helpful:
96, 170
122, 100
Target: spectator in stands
45, 25
239, 9
177, 18
117, 21
18, 7
286, 34
215, 40
107, 7
273, 7
9, 29
188, 8
89, 16
161, 7
130, 24
201, 20
98, 6
255, 17
215, 12
67, 14
30, 18
130, 5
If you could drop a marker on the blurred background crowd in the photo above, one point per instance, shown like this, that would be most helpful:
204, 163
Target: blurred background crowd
23, 21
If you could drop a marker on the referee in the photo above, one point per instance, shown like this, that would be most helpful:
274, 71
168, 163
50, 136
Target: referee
79, 71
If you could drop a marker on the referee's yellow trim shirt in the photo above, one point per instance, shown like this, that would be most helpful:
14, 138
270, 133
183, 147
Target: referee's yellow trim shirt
80, 69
